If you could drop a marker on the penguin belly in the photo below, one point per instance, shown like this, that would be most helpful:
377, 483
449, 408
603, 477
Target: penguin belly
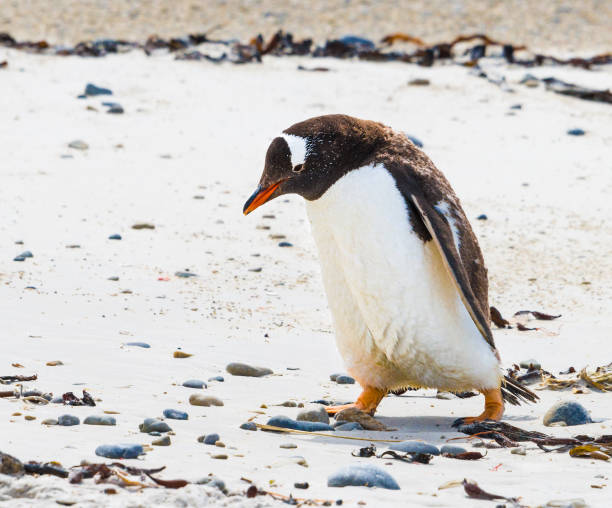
398, 318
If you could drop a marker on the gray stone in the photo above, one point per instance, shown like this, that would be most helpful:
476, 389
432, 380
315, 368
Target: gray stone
242, 369
68, 420
452, 450
345, 380
114, 237
216, 378
287, 423
570, 413
194, 383
576, 132
26, 254
248, 426
175, 414
317, 414
100, 420
362, 475
162, 441
415, 447
49, 421
93, 90
348, 426
288, 446
154, 425
198, 399
211, 439
10, 465
78, 144
120, 451
135, 344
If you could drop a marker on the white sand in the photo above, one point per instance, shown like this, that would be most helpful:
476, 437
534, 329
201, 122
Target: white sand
215, 123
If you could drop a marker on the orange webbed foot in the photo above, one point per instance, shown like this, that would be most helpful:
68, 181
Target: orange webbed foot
494, 409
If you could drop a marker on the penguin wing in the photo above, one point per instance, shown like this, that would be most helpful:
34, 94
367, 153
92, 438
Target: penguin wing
441, 231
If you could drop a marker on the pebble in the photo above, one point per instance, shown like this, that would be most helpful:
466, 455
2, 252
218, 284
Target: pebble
194, 383
10, 465
313, 415
32, 393
54, 363
530, 364
576, 132
362, 475
212, 481
220, 444
49, 421
285, 244
482, 216
452, 450
174, 414
114, 108
185, 275
92, 90
415, 447
419, 82
26, 254
220, 456
143, 225
29, 417
100, 420
216, 378
18, 258
356, 41
120, 451
516, 106
68, 420
287, 423
367, 421
301, 485
78, 144
519, 451
137, 344
197, 399
345, 380
416, 141
348, 426
57, 400
248, 426
242, 369
113, 278
162, 441
570, 413
210, 439
289, 403
288, 446
181, 354
333, 377
114, 237
154, 425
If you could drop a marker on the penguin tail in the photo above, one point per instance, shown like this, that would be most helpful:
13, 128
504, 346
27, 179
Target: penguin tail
515, 393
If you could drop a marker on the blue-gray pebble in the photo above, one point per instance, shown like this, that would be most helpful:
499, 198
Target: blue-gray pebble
100, 420
211, 439
194, 383
68, 420
576, 132
452, 450
26, 254
348, 426
248, 426
216, 378
345, 380
138, 344
154, 425
120, 451
415, 447
175, 414
287, 423
362, 475
114, 237
92, 89
571, 413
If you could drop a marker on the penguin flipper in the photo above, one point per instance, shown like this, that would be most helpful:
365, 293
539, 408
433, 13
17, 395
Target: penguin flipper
441, 232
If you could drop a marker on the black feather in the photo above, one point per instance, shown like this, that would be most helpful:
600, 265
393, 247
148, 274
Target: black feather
515, 393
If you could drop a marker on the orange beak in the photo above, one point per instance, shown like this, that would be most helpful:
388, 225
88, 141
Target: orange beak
259, 197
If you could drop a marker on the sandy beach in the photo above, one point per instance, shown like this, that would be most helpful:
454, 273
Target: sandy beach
184, 156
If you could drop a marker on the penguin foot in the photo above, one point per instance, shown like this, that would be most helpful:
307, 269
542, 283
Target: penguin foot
494, 409
367, 402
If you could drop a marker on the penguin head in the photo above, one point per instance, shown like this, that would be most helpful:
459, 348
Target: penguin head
310, 156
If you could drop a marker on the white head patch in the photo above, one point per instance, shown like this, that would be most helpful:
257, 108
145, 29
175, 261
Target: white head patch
297, 147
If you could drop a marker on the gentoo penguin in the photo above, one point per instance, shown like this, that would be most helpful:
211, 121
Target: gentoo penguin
402, 269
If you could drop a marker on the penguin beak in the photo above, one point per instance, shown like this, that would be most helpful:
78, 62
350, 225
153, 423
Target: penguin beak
259, 197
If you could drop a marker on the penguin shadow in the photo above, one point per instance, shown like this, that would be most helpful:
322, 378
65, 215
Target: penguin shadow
419, 424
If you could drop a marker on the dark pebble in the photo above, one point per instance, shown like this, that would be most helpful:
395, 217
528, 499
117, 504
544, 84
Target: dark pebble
68, 420
114, 237
516, 106
57, 400
301, 485
18, 258
242, 369
185, 275
482, 216
211, 439
415, 447
285, 244
362, 475
26, 254
452, 450
194, 383
121, 451
360, 42
576, 132
348, 426
216, 378
154, 425
174, 414
571, 413
248, 426
345, 380
100, 420
92, 90
138, 344
287, 423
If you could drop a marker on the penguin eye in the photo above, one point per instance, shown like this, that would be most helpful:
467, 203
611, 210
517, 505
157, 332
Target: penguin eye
298, 169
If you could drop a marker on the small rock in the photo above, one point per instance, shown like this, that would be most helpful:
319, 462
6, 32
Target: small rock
313, 415
143, 225
194, 383
93, 90
242, 369
55, 363
482, 216
29, 417
345, 380
197, 399
57, 400
519, 451
210, 439
418, 82
114, 237
220, 456
301, 485
248, 426
415, 447
516, 106
530, 364
348, 426
181, 354
68, 420
49, 421
216, 378
185, 275
10, 465
162, 441
452, 450
174, 414
352, 414
154, 425
113, 278
137, 344
100, 420
570, 413
220, 444
289, 403
576, 132
285, 244
26, 254
334, 376
18, 258
287, 423
362, 475
78, 144
288, 446
120, 451
115, 109
416, 141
